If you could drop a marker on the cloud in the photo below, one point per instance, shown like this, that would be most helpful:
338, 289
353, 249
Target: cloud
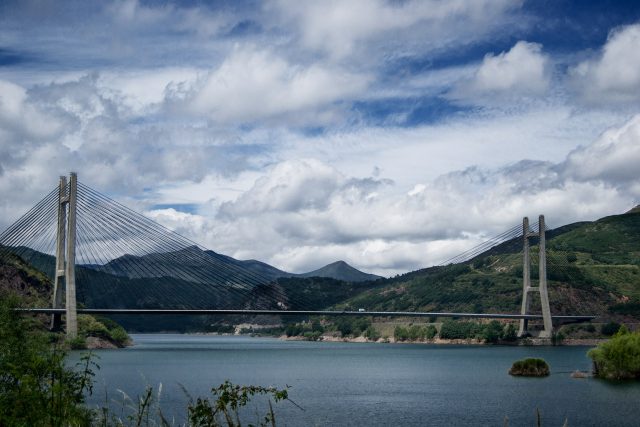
614, 75
303, 214
340, 28
613, 158
522, 71
253, 84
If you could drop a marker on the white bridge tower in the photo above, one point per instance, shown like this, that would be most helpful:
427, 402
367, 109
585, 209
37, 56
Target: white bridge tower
542, 281
65, 274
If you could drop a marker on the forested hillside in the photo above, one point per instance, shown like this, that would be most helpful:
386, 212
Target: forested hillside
593, 268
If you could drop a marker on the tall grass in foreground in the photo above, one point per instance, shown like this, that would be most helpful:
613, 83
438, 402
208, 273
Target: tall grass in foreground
223, 409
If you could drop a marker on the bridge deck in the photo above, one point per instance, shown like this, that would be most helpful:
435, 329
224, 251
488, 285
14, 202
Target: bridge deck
305, 313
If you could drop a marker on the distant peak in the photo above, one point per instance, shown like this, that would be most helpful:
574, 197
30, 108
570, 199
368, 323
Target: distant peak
634, 210
340, 263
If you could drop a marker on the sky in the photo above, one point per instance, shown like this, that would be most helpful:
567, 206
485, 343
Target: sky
389, 134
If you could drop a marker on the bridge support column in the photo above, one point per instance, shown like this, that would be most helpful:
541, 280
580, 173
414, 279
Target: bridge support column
56, 319
65, 274
542, 282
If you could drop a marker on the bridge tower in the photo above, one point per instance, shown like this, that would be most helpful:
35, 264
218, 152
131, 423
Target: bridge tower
542, 281
65, 274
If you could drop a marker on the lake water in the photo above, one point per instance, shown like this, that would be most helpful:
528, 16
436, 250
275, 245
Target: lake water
371, 384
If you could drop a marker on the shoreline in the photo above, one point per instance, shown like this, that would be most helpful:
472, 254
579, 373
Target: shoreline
592, 342
589, 342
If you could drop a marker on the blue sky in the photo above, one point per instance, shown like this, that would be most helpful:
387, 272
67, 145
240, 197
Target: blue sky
392, 135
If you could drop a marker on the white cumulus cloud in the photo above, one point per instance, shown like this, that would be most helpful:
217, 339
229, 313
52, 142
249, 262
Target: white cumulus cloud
523, 70
252, 84
614, 75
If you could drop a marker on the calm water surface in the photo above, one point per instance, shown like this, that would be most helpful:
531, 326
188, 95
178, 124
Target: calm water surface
372, 384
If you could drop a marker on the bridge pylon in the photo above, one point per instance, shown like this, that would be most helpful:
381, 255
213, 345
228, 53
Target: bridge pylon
542, 281
65, 274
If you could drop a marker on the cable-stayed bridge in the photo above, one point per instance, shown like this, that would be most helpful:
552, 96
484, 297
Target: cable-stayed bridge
103, 257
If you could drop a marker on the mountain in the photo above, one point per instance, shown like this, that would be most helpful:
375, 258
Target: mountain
593, 268
194, 264
258, 267
340, 270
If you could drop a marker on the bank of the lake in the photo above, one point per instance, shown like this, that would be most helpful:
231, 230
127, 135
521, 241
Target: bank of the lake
373, 384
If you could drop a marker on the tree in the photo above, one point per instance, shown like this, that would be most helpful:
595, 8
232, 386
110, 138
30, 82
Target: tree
400, 333
509, 333
491, 332
619, 357
371, 334
36, 386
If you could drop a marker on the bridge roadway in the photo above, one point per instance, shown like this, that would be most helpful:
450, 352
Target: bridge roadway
580, 318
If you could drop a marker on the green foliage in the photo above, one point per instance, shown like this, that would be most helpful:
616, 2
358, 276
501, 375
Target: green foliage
371, 334
119, 335
453, 329
431, 332
229, 399
557, 338
631, 308
400, 333
492, 332
293, 329
571, 257
36, 387
351, 326
415, 333
530, 367
610, 328
312, 335
618, 358
311, 331
77, 343
509, 333
90, 326
104, 328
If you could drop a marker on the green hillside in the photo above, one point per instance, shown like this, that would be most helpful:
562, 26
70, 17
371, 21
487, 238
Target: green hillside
19, 279
593, 268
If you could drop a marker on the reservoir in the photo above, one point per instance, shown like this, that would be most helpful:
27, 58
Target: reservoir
368, 384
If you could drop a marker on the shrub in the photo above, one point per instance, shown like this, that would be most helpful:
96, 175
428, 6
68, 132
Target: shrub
491, 332
77, 343
509, 333
293, 329
229, 400
119, 335
371, 334
619, 357
36, 386
452, 329
530, 367
431, 332
312, 335
400, 333
89, 326
610, 329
